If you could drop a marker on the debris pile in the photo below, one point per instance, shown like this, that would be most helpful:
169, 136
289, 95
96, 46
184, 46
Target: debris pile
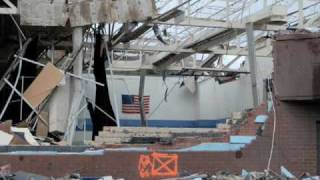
245, 175
7, 174
21, 135
237, 118
224, 175
141, 135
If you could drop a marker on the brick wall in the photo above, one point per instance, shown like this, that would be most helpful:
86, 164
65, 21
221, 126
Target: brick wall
297, 135
295, 148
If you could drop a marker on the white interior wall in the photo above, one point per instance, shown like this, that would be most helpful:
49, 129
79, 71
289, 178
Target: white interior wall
219, 101
179, 105
211, 101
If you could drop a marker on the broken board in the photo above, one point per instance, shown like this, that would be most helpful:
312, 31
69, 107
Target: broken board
42, 86
42, 128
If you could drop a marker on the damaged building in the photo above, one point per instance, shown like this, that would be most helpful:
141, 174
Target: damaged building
159, 89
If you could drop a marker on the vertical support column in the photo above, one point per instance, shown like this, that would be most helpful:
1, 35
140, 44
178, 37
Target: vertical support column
77, 38
141, 92
110, 61
141, 99
301, 15
228, 10
252, 62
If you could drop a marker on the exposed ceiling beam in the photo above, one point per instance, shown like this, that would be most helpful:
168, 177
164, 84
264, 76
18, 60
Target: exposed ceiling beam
11, 9
175, 71
265, 52
269, 19
211, 23
209, 38
208, 62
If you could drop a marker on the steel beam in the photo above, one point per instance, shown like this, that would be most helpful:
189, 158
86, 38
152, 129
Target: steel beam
252, 62
174, 71
12, 9
211, 23
174, 49
77, 38
141, 97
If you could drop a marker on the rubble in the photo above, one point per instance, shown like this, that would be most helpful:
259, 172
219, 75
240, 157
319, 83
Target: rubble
141, 135
237, 118
25, 134
225, 175
97, 39
7, 174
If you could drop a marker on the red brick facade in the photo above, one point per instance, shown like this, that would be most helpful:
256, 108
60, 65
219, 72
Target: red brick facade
295, 148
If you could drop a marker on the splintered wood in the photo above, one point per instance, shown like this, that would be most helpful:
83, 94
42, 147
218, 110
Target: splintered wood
43, 85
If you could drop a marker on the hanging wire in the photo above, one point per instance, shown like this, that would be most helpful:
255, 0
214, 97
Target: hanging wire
112, 85
274, 128
163, 99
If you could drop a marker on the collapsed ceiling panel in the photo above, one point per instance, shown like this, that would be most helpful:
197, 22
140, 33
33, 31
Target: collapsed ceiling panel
82, 13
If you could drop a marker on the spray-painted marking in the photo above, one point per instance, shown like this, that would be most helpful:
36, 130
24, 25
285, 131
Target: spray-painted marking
158, 165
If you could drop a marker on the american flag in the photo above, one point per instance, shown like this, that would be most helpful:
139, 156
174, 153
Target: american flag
131, 104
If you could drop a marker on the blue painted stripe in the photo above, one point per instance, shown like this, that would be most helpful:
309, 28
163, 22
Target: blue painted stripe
241, 139
213, 147
203, 147
164, 123
174, 123
261, 119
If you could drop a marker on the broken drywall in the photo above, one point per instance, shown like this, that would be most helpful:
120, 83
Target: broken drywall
59, 106
26, 135
5, 138
42, 13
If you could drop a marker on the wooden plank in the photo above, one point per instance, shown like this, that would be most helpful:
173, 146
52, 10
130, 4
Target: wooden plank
42, 86
42, 128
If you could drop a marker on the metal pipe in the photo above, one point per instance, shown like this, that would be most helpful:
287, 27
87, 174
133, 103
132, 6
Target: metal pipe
26, 101
252, 62
112, 87
67, 73
141, 98
12, 91
21, 101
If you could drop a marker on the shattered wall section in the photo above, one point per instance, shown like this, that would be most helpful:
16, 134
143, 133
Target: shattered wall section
81, 13
42, 13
